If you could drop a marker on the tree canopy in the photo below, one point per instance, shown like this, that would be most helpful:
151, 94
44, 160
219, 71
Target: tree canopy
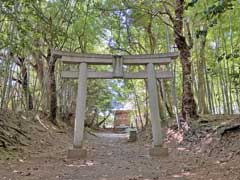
205, 33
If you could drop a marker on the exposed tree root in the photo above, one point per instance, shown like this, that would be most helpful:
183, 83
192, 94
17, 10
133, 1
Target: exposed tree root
232, 128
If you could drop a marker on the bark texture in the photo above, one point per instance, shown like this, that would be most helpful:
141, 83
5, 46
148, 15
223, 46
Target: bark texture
201, 80
188, 102
51, 60
25, 83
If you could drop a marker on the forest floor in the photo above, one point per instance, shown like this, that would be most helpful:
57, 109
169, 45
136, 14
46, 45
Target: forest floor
209, 151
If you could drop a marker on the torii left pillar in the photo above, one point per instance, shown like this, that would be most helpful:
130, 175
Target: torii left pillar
77, 151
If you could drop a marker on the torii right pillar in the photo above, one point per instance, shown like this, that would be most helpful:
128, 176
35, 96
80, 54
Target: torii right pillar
158, 149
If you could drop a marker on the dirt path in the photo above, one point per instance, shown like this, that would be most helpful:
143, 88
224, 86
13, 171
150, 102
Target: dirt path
111, 157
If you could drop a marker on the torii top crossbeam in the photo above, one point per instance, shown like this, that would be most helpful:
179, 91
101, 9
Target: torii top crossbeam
117, 61
76, 58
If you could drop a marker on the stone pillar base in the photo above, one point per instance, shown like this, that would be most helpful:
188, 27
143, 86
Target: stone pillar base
158, 151
77, 153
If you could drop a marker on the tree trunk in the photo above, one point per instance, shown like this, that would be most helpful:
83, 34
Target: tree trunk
146, 115
6, 75
52, 87
167, 107
25, 85
104, 119
201, 66
162, 109
188, 102
40, 69
137, 105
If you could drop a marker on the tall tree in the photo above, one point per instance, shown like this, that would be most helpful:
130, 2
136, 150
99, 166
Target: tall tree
184, 47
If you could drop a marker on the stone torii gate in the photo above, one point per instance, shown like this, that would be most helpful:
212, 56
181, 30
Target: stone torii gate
117, 63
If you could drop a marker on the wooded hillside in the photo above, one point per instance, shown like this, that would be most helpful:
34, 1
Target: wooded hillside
205, 33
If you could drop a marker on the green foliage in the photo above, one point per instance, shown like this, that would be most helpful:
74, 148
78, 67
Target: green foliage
200, 33
218, 8
119, 27
191, 4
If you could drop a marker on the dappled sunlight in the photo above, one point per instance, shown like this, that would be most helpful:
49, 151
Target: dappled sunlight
173, 135
83, 164
184, 174
182, 149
